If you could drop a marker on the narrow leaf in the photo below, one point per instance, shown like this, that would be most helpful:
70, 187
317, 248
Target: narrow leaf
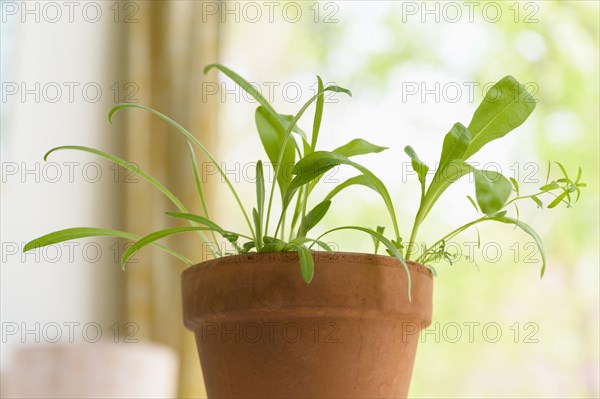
550, 186
151, 238
537, 201
418, 167
85, 232
558, 199
358, 147
515, 185
472, 201
198, 219
318, 162
526, 228
380, 230
304, 240
127, 166
356, 180
260, 189
318, 116
258, 227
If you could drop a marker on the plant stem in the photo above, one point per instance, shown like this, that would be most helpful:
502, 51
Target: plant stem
452, 234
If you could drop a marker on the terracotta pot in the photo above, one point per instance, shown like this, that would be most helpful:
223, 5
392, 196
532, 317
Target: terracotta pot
262, 332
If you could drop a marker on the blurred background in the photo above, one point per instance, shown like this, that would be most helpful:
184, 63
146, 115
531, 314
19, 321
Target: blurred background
414, 68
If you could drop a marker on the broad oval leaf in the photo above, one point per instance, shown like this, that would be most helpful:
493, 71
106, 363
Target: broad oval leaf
318, 116
455, 145
196, 218
244, 84
260, 188
125, 165
492, 190
506, 105
272, 135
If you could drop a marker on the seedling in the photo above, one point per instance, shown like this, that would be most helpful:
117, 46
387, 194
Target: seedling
506, 106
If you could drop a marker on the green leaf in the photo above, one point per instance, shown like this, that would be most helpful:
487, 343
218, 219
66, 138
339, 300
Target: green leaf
84, 232
318, 162
358, 147
563, 170
318, 116
451, 173
273, 244
151, 238
356, 180
127, 166
537, 201
558, 199
579, 173
380, 230
272, 135
491, 189
248, 246
455, 146
282, 120
313, 217
472, 201
260, 187
307, 264
230, 236
527, 229
505, 107
515, 185
200, 190
418, 167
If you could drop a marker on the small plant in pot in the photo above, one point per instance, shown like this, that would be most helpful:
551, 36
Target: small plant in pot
278, 313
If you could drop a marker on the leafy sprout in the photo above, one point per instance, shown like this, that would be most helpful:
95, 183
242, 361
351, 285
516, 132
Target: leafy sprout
287, 147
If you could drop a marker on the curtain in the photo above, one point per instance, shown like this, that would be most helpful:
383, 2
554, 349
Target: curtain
165, 48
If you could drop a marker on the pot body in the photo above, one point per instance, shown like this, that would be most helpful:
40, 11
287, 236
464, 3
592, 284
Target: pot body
262, 332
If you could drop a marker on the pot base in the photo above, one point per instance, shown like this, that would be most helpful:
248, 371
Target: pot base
262, 332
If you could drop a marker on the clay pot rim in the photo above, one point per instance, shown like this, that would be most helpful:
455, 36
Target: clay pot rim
357, 257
